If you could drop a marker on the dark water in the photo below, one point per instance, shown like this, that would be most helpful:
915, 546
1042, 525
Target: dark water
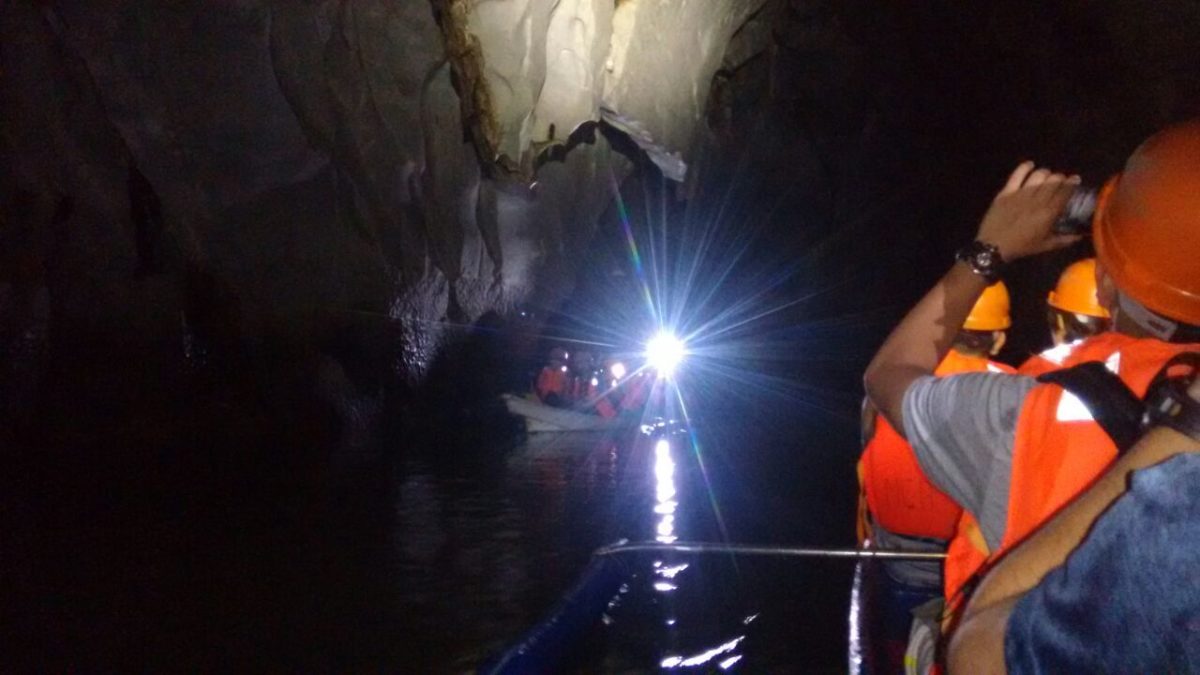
481, 555
232, 542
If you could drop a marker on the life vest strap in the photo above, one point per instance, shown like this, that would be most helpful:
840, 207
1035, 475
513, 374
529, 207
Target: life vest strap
1111, 403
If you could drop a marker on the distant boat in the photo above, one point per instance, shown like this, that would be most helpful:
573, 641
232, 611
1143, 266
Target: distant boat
542, 418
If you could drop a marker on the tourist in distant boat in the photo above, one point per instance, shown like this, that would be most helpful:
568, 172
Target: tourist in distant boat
1074, 312
584, 383
612, 379
636, 391
553, 386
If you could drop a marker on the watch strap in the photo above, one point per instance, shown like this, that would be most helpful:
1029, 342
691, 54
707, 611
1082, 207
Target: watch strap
983, 258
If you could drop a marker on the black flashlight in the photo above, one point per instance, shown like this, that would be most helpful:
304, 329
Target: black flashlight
1077, 215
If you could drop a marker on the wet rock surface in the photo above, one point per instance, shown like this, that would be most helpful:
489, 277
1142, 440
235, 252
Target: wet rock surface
273, 172
298, 172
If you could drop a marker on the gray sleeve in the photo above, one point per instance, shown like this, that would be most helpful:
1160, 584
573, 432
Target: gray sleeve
962, 430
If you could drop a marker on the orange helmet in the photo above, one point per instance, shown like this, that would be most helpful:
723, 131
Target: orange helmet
1147, 224
1076, 290
991, 310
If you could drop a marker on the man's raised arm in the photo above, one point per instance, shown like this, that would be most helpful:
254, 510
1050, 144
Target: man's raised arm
1019, 223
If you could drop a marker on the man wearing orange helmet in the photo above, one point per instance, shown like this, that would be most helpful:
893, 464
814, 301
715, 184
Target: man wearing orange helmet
898, 507
896, 501
553, 385
1074, 313
1012, 450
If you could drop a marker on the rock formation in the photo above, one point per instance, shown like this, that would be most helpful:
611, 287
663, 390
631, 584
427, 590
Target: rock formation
216, 176
190, 180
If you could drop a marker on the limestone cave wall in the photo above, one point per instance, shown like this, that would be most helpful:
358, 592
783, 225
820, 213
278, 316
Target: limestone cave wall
190, 180
323, 192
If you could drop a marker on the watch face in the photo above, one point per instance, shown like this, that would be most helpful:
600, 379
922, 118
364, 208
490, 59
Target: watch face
983, 259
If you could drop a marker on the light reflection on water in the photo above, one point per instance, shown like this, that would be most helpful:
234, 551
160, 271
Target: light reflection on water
704, 656
664, 474
481, 548
666, 495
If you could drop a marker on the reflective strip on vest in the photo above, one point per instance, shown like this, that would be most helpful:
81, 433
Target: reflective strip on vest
1048, 360
1113, 363
1058, 354
1071, 409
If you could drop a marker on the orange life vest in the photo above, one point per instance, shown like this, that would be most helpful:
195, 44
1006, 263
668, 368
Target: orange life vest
604, 398
1058, 451
892, 486
637, 390
552, 380
586, 387
605, 407
1048, 360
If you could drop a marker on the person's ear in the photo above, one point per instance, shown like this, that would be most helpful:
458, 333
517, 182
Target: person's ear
1058, 332
1106, 289
998, 339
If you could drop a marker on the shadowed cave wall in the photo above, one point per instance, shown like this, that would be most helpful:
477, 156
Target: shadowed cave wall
312, 190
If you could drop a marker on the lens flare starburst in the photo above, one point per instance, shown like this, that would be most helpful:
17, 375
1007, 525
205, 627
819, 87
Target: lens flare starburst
710, 303
664, 353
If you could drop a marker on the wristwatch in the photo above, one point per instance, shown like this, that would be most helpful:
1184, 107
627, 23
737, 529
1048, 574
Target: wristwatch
983, 258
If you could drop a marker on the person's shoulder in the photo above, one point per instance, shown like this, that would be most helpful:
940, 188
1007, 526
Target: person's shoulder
1141, 551
1036, 365
975, 386
1170, 482
1002, 379
1048, 359
997, 367
967, 399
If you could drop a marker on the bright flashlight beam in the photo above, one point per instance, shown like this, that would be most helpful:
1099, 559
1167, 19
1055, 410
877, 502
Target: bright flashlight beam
664, 352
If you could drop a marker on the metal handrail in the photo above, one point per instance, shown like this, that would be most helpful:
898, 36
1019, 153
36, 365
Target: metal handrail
541, 648
781, 551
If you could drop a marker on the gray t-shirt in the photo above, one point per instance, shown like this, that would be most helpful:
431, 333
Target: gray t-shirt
962, 430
